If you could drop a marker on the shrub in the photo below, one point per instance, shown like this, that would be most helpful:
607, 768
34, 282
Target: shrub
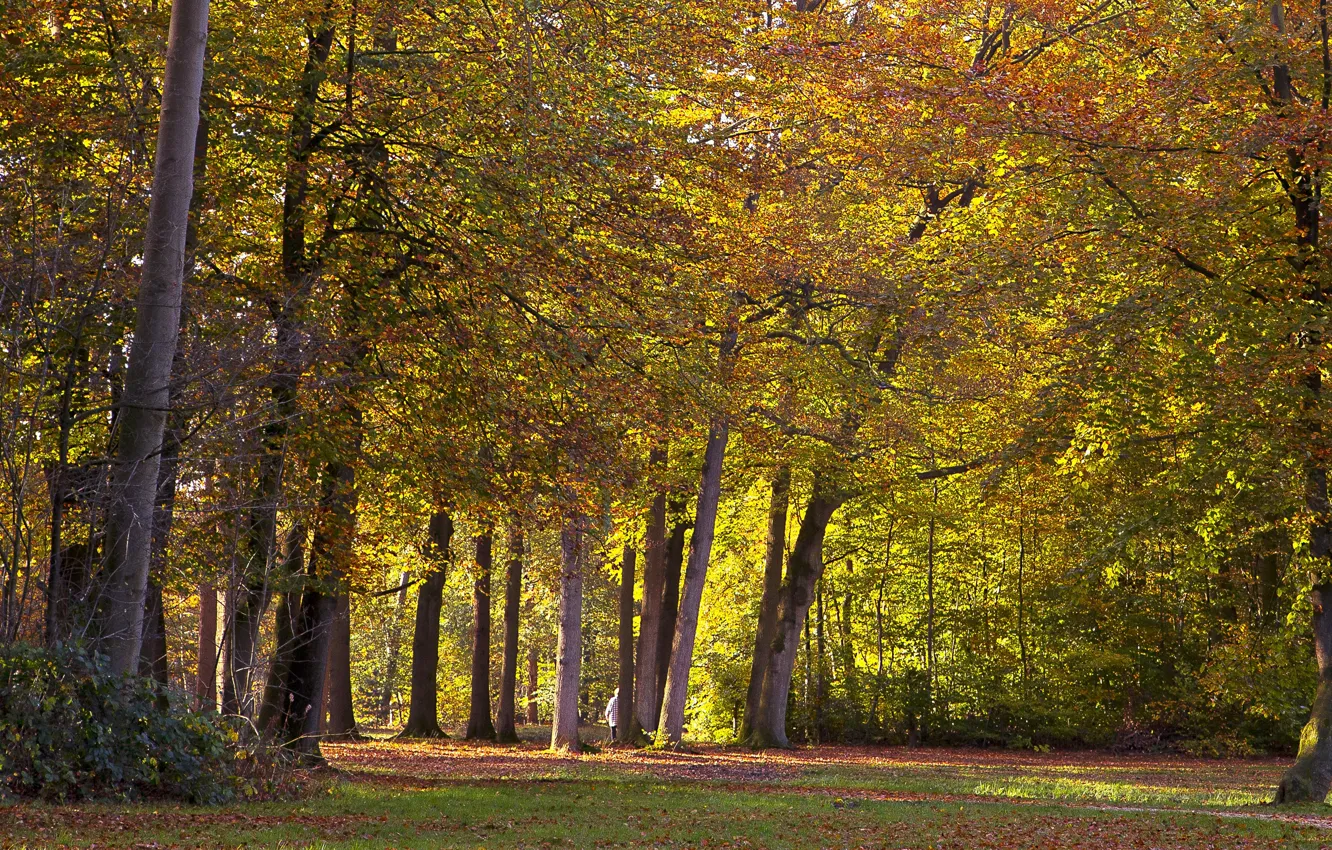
70, 729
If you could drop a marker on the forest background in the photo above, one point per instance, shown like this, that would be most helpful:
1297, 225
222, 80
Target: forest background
997, 326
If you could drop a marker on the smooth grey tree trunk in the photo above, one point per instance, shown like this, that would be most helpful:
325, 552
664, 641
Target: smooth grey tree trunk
778, 505
797, 593
146, 399
506, 728
623, 732
671, 727
645, 703
569, 651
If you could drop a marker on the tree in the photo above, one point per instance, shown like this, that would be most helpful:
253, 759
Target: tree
146, 399
506, 731
479, 725
422, 716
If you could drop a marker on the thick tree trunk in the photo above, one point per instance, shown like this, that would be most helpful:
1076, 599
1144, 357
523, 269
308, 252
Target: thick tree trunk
569, 652
797, 592
533, 665
645, 700
423, 713
671, 726
205, 676
273, 705
330, 554
146, 399
285, 627
1310, 778
625, 691
341, 711
778, 505
479, 725
506, 728
670, 606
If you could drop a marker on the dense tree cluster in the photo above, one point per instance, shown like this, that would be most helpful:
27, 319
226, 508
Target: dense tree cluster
811, 371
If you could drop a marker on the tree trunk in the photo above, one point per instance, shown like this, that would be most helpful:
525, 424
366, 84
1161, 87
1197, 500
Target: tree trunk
645, 701
153, 650
533, 659
298, 273
285, 628
341, 711
506, 728
569, 652
1310, 778
670, 606
330, 554
205, 677
802, 573
479, 725
146, 400
778, 505
625, 691
423, 714
671, 726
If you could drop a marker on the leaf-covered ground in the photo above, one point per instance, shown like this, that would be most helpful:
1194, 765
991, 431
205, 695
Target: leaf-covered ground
449, 794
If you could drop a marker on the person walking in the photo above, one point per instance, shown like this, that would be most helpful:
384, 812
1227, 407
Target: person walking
613, 713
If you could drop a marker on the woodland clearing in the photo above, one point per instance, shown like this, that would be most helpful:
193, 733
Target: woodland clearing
452, 794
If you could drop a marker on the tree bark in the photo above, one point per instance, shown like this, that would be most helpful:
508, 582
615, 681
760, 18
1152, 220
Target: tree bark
623, 732
569, 652
341, 710
153, 650
778, 505
286, 624
797, 592
506, 729
671, 726
146, 399
330, 558
479, 725
423, 713
645, 700
205, 677
1310, 778
670, 606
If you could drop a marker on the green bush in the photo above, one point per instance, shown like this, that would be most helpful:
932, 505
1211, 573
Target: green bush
70, 729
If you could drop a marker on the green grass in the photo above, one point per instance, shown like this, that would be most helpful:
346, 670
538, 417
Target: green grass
439, 798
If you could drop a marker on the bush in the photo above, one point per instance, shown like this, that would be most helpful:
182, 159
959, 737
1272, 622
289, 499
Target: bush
70, 729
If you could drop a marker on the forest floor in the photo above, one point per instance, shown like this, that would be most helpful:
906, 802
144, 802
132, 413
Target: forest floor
457, 795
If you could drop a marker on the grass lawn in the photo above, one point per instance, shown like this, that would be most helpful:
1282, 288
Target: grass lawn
448, 794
